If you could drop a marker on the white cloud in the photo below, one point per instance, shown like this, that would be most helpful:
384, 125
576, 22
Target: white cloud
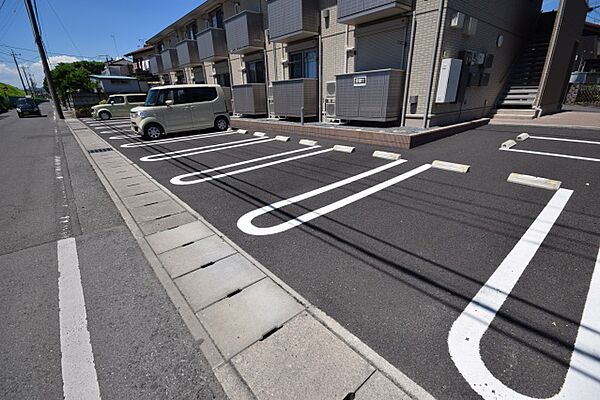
8, 74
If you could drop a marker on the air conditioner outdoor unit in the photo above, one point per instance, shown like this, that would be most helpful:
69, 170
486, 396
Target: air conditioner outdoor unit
330, 109
330, 89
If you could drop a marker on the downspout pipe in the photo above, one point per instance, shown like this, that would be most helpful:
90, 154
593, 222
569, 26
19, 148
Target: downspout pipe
411, 46
436, 47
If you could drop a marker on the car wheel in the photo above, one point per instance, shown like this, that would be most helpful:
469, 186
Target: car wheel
221, 124
104, 115
153, 132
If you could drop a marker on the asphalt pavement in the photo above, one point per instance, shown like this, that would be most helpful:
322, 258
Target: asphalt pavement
141, 347
398, 263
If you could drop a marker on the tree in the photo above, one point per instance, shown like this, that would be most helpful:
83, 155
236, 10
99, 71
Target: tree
75, 77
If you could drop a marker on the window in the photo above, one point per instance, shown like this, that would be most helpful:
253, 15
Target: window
140, 98
160, 47
255, 71
303, 64
191, 30
202, 94
117, 99
215, 19
182, 96
199, 75
222, 74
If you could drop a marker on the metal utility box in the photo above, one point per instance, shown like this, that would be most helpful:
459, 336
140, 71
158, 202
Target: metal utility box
370, 95
250, 99
290, 96
244, 32
449, 79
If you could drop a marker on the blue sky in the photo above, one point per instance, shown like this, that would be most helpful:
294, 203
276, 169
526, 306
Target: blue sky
84, 29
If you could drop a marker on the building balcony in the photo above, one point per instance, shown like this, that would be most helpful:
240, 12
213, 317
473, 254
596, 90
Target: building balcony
169, 59
244, 32
212, 44
187, 52
250, 99
370, 95
293, 95
355, 12
156, 64
291, 20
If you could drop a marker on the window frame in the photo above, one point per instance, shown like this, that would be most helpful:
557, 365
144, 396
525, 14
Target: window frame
299, 59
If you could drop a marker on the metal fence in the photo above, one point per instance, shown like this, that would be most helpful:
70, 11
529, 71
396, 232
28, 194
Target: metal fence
584, 94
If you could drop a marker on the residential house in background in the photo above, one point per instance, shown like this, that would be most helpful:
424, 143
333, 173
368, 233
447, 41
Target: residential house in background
399, 62
120, 67
112, 84
141, 63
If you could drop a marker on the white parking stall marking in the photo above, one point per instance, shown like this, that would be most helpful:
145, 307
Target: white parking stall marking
178, 139
541, 153
125, 136
204, 149
557, 139
77, 360
181, 179
583, 377
245, 222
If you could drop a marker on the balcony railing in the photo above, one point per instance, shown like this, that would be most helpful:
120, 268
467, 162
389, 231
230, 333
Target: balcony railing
291, 20
250, 99
370, 95
291, 97
187, 52
156, 64
245, 33
170, 60
212, 44
355, 12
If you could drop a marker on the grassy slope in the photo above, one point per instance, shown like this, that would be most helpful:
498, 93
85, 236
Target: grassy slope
12, 91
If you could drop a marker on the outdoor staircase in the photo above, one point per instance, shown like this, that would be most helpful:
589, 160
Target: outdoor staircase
523, 83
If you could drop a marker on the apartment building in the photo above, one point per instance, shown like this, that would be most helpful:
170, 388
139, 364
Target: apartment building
398, 62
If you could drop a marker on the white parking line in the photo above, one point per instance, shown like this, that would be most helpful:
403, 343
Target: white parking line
541, 153
77, 360
564, 140
125, 136
201, 150
179, 180
245, 222
583, 377
178, 139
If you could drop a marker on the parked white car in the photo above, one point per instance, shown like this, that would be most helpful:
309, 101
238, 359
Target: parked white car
118, 105
178, 108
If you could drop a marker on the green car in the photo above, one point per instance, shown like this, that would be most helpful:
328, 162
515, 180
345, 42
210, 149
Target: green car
118, 106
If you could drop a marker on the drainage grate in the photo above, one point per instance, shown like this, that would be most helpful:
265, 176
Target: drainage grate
103, 150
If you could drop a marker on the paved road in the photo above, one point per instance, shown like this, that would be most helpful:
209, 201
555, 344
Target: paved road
141, 348
398, 267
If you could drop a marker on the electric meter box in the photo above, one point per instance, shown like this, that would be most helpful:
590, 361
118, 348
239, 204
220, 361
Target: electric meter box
447, 89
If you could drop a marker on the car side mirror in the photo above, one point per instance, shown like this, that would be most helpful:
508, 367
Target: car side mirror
111, 102
169, 102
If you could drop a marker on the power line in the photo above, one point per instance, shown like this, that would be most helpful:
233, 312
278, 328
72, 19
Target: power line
50, 52
65, 28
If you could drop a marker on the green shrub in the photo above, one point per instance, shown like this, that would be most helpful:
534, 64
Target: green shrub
103, 101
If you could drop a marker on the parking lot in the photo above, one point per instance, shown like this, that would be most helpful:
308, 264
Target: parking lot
469, 284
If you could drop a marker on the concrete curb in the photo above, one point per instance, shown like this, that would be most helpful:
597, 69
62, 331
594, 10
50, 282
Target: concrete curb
224, 368
526, 125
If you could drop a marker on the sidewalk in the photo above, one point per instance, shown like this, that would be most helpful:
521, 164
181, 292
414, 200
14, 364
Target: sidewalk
262, 339
565, 119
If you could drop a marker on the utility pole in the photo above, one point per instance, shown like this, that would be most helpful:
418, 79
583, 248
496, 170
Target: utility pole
18, 70
40, 45
28, 81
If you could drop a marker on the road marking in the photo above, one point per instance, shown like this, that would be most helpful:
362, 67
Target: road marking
125, 136
564, 140
204, 149
583, 377
541, 153
245, 222
178, 139
534, 181
179, 180
78, 370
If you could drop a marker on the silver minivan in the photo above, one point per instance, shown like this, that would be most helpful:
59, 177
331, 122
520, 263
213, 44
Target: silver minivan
178, 108
118, 105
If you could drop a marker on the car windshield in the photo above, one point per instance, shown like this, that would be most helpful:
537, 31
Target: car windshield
152, 98
23, 102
